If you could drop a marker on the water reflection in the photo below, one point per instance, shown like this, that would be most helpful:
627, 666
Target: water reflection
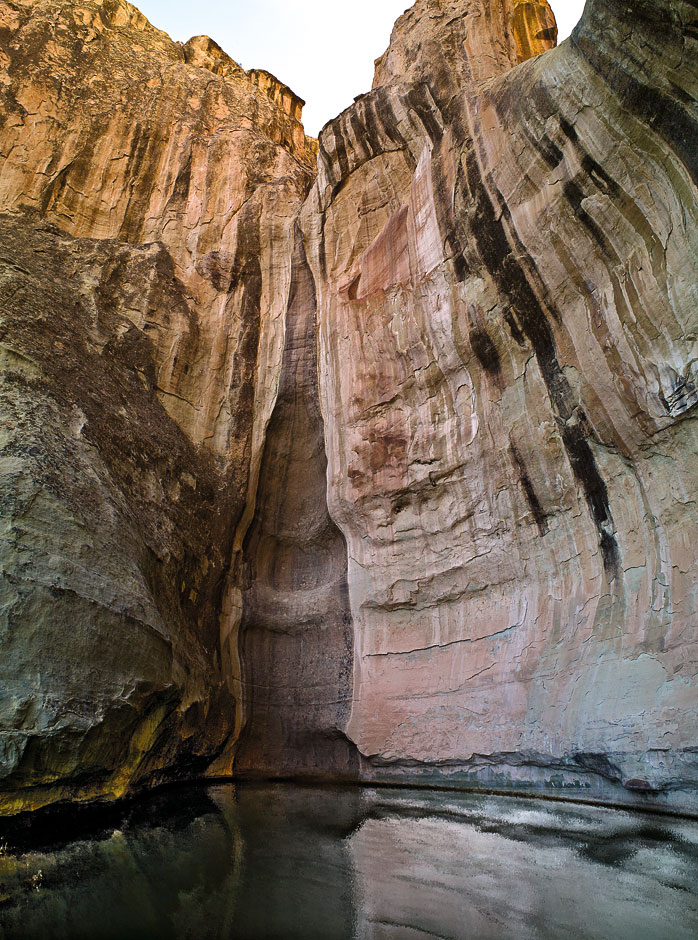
292, 862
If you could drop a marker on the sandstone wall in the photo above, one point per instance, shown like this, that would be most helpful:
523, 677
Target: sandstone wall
506, 269
147, 192
296, 642
396, 482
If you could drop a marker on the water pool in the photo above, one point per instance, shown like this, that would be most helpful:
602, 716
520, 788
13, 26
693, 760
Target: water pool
287, 862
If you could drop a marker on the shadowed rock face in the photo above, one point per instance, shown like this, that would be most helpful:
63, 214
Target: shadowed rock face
296, 634
395, 481
147, 194
113, 534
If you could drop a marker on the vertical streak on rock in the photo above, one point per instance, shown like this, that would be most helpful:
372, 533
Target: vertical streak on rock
535, 29
518, 281
651, 87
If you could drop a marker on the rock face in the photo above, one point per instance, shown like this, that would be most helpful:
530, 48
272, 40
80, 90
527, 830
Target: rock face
397, 486
506, 269
148, 194
296, 638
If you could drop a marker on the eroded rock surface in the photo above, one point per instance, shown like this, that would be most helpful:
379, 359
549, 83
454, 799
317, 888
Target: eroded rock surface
506, 270
296, 641
148, 193
399, 486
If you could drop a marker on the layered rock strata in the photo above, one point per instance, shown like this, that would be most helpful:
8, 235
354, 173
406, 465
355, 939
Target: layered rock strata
399, 486
506, 275
148, 193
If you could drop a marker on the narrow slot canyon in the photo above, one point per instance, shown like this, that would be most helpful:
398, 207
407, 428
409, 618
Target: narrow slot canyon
296, 637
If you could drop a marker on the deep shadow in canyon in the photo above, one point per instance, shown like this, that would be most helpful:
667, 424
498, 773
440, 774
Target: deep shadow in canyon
296, 637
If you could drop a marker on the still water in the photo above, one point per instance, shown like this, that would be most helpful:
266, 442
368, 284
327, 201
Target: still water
281, 862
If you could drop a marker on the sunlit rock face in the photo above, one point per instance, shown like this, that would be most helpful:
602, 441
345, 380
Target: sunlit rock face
506, 265
148, 192
393, 482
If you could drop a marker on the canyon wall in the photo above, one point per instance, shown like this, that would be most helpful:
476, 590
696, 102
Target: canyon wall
148, 193
506, 264
296, 636
387, 474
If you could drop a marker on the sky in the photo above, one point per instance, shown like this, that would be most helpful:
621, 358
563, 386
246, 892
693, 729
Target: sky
322, 49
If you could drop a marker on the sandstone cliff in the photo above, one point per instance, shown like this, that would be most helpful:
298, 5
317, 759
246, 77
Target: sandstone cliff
505, 267
148, 193
396, 484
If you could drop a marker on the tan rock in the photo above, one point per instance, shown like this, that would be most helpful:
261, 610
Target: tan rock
535, 28
400, 486
172, 179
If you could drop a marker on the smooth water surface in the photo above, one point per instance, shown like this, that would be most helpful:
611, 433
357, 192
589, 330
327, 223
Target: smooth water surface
287, 862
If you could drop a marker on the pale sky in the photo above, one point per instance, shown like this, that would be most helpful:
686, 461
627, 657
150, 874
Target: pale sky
324, 50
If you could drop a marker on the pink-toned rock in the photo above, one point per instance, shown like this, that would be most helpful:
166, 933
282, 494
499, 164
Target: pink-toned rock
506, 274
398, 486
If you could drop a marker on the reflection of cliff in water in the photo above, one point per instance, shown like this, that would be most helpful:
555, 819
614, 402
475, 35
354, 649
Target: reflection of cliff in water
297, 878
301, 863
